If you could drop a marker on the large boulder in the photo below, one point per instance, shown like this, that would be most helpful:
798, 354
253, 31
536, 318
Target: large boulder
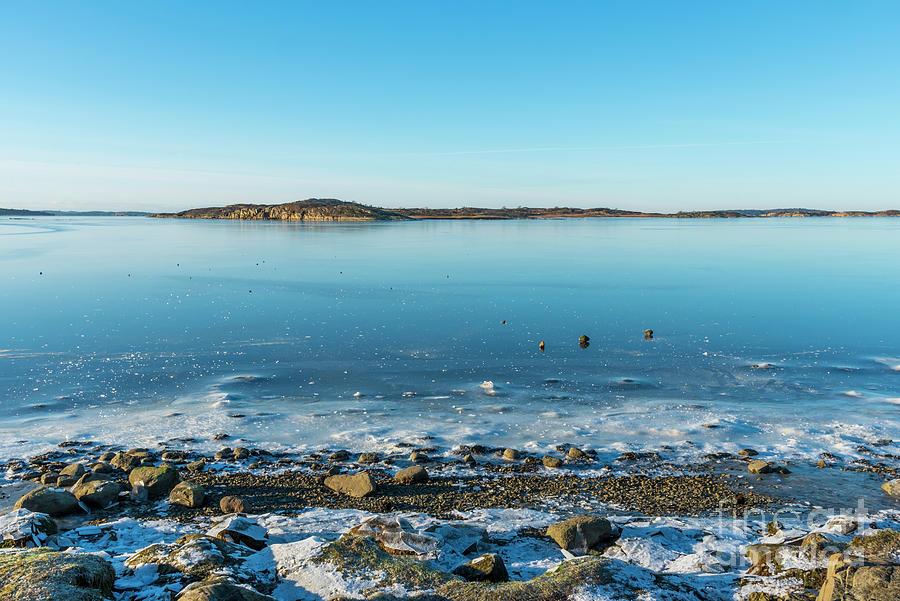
396, 536
860, 581
411, 475
487, 568
195, 555
70, 474
231, 504
24, 528
241, 530
219, 589
551, 461
758, 466
126, 461
892, 487
51, 501
157, 481
43, 575
97, 493
582, 534
354, 485
187, 494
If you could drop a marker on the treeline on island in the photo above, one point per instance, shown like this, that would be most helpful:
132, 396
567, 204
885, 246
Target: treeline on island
329, 209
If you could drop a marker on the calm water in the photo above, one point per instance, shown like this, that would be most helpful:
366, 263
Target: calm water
137, 330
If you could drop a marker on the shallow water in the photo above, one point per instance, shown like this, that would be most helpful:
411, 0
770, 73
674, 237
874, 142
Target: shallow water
782, 333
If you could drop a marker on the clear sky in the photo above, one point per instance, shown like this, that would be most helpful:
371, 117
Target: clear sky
639, 105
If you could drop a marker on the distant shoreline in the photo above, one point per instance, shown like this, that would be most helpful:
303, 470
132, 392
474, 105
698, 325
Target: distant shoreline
315, 209
323, 210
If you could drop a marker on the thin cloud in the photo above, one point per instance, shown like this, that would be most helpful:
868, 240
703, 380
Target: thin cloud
588, 148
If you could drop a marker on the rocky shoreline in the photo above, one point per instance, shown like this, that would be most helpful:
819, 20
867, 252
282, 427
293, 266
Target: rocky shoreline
90, 522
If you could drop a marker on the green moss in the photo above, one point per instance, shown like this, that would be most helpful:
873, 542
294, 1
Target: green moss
196, 555
40, 574
877, 545
561, 583
357, 555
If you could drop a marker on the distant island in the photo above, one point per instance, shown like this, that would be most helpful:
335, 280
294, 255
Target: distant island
330, 209
30, 213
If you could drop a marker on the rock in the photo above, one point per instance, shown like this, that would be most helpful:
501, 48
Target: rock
858, 581
469, 460
551, 462
195, 555
648, 334
395, 536
355, 485
241, 453
44, 575
219, 589
125, 461
367, 458
758, 466
51, 501
411, 475
224, 453
487, 568
74, 470
49, 478
196, 466
510, 454
760, 557
584, 338
97, 493
241, 530
233, 505
24, 528
582, 534
157, 481
417, 457
576, 453
339, 456
102, 468
892, 487
748, 453
884, 545
816, 544
187, 494
841, 524
174, 456
822, 464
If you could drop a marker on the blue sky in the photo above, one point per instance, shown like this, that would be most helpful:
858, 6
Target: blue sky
639, 105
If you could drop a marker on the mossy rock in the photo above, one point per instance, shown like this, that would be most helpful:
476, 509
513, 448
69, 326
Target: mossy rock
194, 555
354, 555
97, 493
24, 528
219, 589
876, 546
158, 481
359, 555
561, 583
187, 494
583, 533
43, 575
48, 500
